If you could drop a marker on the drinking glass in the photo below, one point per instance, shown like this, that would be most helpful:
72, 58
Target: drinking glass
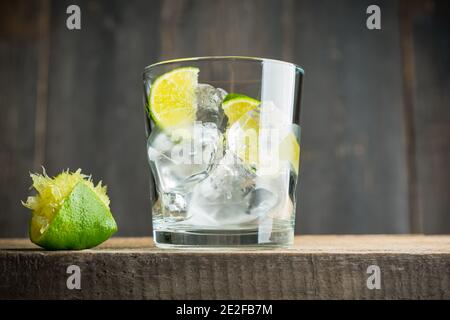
223, 144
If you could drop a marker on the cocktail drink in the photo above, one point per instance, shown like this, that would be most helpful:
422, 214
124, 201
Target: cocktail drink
223, 144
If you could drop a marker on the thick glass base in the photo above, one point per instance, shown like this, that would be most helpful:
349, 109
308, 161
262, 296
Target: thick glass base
202, 238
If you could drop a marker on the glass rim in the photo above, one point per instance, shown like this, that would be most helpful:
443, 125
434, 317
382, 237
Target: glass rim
206, 58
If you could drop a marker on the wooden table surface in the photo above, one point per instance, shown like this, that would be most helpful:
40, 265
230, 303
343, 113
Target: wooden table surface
317, 267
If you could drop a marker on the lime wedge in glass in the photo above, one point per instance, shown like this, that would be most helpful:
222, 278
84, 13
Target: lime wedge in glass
172, 98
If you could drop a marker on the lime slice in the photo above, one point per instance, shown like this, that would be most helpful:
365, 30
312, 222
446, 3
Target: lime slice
236, 105
172, 99
243, 138
290, 151
69, 212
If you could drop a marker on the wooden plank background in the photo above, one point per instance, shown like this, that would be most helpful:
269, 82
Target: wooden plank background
316, 267
376, 117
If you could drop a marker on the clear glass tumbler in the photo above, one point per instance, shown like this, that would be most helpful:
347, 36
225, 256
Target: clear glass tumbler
223, 143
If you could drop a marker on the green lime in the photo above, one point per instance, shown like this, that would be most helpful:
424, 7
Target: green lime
69, 212
236, 105
172, 99
243, 136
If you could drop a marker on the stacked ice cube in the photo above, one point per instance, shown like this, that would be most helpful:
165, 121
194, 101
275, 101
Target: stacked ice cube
201, 179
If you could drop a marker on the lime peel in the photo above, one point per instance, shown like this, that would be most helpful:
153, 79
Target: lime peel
56, 224
236, 105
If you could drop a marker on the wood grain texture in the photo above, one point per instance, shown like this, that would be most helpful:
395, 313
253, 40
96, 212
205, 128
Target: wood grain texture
95, 112
359, 172
353, 177
19, 37
431, 31
42, 83
408, 9
222, 27
317, 267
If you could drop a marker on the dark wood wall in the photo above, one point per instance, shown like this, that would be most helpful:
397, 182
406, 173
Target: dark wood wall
376, 104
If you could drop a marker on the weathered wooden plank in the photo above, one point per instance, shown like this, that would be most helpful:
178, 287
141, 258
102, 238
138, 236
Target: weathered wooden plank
431, 34
95, 106
317, 267
353, 175
19, 52
407, 11
223, 27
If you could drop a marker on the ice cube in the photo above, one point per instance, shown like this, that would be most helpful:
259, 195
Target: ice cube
261, 201
258, 135
179, 165
209, 100
273, 194
223, 198
272, 117
174, 202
